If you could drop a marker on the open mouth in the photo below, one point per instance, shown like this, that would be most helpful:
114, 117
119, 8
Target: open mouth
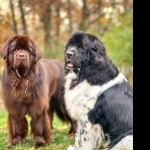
21, 71
69, 65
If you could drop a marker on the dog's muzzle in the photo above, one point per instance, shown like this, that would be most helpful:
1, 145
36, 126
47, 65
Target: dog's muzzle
70, 53
70, 57
21, 56
21, 68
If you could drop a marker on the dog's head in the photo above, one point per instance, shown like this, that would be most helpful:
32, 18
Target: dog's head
20, 53
83, 49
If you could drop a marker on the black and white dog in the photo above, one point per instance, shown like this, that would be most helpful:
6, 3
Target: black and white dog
97, 95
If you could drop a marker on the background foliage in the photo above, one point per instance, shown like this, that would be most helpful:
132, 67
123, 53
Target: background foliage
50, 23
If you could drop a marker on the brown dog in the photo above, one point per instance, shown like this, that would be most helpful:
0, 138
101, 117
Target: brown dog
31, 85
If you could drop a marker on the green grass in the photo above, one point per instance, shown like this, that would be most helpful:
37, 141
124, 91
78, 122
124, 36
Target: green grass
59, 139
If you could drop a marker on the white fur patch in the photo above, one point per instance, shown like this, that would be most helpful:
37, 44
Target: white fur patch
79, 101
125, 144
83, 97
70, 148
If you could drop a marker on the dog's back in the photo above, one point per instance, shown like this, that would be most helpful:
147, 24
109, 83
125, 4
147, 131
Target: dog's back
57, 104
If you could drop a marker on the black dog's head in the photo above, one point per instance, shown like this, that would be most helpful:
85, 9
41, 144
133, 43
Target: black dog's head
83, 49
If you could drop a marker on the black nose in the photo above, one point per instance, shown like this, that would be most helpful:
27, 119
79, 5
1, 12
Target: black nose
69, 54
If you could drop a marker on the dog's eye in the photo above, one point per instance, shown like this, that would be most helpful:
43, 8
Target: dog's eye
81, 47
30, 49
70, 44
12, 50
82, 51
93, 49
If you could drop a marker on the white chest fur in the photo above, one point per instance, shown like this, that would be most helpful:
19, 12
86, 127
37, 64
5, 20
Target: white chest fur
83, 97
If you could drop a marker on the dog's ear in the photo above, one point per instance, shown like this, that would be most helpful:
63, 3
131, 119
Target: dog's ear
96, 55
5, 48
98, 52
38, 52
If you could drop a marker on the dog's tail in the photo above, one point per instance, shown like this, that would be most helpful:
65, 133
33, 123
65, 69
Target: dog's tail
58, 106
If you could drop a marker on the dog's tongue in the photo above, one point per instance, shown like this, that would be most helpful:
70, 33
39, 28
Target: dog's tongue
70, 65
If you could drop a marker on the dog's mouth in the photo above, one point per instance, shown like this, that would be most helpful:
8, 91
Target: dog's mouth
21, 71
69, 65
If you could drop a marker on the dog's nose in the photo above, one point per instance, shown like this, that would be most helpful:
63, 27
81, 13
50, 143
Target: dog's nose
21, 56
69, 54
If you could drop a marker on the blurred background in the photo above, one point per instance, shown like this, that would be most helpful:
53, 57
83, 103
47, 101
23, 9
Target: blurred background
50, 23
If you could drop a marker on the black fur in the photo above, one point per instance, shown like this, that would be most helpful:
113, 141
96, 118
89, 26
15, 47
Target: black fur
114, 112
91, 59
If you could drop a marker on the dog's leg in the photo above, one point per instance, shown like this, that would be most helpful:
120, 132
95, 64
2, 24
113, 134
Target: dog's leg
73, 127
88, 136
18, 129
51, 115
40, 127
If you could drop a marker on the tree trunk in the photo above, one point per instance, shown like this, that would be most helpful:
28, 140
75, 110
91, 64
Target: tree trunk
69, 16
98, 25
23, 17
13, 17
85, 15
128, 4
58, 18
46, 19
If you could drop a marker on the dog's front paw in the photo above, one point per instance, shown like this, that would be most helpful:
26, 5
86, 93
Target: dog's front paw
70, 148
39, 141
17, 140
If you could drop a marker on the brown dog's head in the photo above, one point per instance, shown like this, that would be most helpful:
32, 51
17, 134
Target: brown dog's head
20, 52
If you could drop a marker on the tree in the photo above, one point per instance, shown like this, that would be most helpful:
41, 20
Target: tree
69, 16
15, 28
46, 20
58, 6
85, 15
23, 17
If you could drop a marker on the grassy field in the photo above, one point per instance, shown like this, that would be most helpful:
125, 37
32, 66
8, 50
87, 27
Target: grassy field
59, 140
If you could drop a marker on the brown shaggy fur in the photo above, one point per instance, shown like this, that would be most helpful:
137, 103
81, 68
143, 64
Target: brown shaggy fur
33, 86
